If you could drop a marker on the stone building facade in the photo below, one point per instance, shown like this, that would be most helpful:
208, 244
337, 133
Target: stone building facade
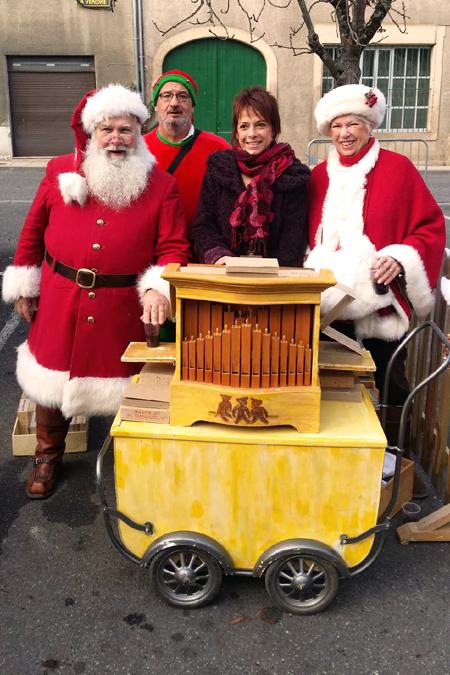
52, 51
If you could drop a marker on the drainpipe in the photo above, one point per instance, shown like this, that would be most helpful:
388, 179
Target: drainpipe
138, 39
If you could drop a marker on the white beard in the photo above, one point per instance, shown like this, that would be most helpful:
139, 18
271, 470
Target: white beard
117, 181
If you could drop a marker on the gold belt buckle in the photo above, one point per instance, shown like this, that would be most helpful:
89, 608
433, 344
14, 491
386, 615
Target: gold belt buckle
85, 270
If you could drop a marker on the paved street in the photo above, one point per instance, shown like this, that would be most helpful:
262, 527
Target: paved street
69, 603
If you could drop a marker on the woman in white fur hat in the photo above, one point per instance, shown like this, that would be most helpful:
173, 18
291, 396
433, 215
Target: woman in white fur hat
374, 222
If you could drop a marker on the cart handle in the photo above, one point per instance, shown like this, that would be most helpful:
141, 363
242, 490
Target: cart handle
108, 512
399, 448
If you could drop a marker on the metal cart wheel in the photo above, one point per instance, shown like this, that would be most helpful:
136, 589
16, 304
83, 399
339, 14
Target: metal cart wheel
186, 577
302, 584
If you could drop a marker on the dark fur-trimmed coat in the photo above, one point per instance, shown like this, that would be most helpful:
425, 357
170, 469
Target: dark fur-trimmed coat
211, 231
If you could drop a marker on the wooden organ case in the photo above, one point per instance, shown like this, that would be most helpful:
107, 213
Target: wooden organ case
246, 347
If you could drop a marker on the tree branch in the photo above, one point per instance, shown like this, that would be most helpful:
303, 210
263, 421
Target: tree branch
403, 16
183, 20
353, 32
374, 23
314, 43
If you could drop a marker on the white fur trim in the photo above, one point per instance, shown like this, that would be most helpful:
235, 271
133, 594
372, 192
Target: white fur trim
418, 288
445, 289
349, 100
343, 207
350, 266
390, 327
73, 187
77, 396
151, 279
112, 101
21, 281
93, 395
41, 384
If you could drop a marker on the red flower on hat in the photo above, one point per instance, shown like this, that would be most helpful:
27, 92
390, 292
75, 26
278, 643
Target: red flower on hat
371, 98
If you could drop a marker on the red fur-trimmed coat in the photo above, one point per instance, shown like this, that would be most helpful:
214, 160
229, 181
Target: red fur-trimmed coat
376, 205
76, 338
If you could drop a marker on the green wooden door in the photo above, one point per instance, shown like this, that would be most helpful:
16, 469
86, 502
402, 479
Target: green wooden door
221, 69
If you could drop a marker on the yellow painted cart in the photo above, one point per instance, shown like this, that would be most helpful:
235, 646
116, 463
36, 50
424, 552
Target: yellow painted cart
299, 509
227, 487
239, 492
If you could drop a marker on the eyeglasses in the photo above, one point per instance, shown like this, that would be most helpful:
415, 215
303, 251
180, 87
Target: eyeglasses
105, 132
181, 96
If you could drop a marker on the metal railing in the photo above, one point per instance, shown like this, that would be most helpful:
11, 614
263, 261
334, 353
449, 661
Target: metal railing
414, 148
430, 419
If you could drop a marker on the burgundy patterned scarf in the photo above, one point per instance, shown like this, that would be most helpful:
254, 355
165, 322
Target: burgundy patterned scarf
251, 217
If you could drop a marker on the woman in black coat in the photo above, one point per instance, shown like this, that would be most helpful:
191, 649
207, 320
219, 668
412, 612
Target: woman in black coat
254, 196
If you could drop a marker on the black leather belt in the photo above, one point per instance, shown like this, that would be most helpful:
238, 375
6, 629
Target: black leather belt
86, 278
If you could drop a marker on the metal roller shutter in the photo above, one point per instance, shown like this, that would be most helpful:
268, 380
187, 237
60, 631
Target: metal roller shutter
42, 102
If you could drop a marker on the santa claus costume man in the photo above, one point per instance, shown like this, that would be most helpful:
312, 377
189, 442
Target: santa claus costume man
86, 272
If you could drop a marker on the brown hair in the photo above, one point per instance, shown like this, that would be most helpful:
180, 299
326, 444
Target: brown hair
263, 103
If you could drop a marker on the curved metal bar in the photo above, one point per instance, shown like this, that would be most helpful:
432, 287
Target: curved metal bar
384, 405
146, 527
381, 527
106, 510
399, 448
380, 538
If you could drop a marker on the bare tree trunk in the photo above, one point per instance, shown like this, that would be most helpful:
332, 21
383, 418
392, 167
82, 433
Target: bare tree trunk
348, 64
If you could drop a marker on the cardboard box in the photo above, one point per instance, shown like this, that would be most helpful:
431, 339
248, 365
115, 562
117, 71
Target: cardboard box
405, 488
154, 383
24, 431
137, 410
24, 442
25, 408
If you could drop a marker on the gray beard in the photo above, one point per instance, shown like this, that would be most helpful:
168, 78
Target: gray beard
117, 182
182, 123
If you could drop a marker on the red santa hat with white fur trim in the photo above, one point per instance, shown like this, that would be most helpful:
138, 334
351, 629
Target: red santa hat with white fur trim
350, 99
114, 100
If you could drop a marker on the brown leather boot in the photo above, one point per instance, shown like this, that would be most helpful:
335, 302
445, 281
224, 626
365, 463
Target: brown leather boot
51, 432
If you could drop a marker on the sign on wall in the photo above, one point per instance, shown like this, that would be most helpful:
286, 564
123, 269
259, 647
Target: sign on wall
97, 4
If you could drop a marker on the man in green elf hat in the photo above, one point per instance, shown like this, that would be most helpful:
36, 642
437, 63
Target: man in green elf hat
180, 148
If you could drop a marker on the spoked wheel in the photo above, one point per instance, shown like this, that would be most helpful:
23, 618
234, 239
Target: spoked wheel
186, 577
302, 584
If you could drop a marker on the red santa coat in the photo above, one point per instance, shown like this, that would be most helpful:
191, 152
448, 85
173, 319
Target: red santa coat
77, 336
375, 204
189, 173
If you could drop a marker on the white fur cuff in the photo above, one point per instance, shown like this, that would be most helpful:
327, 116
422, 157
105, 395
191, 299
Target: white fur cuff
417, 285
151, 279
21, 282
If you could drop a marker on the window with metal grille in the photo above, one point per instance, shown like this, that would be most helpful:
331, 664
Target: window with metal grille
403, 75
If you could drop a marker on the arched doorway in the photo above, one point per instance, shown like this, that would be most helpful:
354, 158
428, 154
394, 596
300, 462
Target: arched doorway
221, 68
